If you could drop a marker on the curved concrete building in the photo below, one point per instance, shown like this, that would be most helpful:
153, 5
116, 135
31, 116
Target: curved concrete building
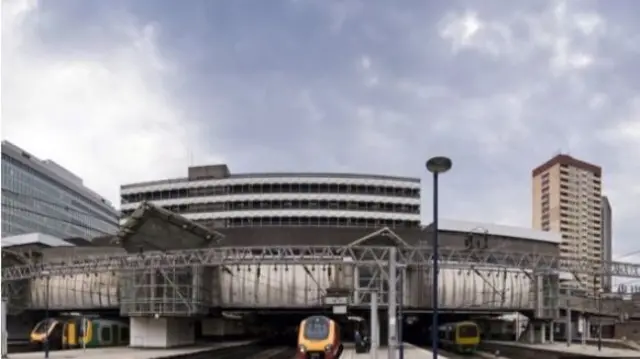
212, 196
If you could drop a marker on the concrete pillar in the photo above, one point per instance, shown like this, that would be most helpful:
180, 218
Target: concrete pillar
543, 333
161, 332
5, 334
552, 332
532, 332
581, 323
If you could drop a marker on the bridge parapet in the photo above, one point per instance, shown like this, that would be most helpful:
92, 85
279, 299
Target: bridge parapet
608, 307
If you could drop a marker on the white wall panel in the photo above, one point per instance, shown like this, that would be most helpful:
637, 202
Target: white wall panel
278, 197
468, 289
302, 213
277, 285
76, 291
270, 180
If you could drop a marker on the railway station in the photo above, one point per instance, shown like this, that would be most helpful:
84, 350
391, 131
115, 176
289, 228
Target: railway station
173, 293
180, 273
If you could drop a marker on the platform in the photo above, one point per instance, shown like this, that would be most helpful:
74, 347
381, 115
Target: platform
410, 352
562, 348
125, 353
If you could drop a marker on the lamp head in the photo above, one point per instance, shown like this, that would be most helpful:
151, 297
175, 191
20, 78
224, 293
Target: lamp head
439, 164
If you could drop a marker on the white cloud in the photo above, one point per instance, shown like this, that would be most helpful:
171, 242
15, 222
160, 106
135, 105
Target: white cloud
105, 116
468, 31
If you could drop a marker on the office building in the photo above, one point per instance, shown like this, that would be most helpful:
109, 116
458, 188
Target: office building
567, 198
607, 239
42, 196
213, 196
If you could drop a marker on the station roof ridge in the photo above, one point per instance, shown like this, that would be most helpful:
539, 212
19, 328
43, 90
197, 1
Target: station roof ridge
282, 174
145, 217
34, 238
454, 225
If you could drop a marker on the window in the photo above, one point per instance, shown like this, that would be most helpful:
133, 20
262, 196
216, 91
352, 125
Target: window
44, 325
316, 328
105, 334
467, 331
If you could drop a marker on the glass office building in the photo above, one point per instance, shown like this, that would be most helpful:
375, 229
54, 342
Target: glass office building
41, 196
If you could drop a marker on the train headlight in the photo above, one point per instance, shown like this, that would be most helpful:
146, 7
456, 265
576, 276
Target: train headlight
328, 348
302, 348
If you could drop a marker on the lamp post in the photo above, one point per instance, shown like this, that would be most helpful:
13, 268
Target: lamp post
436, 165
597, 297
46, 315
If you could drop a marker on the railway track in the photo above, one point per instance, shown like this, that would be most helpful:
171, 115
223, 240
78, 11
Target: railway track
246, 352
480, 355
453, 355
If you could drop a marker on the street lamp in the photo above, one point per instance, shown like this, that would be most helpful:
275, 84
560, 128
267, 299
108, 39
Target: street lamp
597, 297
46, 343
436, 165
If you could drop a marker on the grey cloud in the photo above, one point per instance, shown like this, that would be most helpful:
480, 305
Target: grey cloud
531, 81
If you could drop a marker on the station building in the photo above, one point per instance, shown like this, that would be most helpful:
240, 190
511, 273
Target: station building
216, 198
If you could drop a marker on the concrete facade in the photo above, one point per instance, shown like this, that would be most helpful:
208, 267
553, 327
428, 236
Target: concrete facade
607, 239
213, 196
161, 332
566, 198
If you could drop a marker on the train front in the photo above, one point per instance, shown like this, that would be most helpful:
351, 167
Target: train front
468, 337
45, 330
319, 338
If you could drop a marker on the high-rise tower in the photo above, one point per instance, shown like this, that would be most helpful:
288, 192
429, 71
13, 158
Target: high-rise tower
607, 239
567, 198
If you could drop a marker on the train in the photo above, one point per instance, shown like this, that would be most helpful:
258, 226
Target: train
460, 337
68, 332
319, 338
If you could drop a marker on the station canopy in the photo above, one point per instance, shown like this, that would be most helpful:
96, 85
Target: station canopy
153, 228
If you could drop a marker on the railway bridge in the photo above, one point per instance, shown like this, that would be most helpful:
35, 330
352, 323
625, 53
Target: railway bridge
163, 265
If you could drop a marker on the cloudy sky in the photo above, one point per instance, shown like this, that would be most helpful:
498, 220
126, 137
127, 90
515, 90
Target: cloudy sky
123, 91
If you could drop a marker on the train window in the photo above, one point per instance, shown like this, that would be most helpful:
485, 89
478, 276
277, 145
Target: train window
467, 331
105, 334
115, 332
316, 328
42, 327
124, 334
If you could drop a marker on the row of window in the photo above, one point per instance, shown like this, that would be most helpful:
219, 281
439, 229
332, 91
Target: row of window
25, 215
308, 222
567, 171
114, 334
16, 220
271, 188
591, 227
280, 205
565, 198
25, 180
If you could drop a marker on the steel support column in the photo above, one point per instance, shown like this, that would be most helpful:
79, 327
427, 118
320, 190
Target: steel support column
375, 325
392, 342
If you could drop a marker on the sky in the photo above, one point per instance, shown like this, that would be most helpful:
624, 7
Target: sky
126, 91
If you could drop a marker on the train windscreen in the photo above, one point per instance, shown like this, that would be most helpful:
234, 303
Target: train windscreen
467, 331
316, 328
43, 326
